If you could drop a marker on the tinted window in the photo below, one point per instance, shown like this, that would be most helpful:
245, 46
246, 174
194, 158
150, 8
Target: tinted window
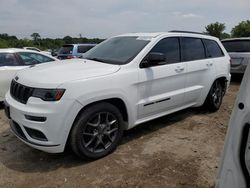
192, 49
169, 47
67, 49
8, 59
34, 58
213, 49
117, 50
83, 49
237, 45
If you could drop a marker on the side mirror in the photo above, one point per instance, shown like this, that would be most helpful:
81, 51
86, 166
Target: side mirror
153, 59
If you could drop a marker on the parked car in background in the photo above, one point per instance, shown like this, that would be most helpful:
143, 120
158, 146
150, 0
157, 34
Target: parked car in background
70, 51
234, 171
12, 60
239, 51
37, 50
122, 82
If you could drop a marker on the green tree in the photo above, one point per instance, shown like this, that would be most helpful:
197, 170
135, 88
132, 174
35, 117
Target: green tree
3, 43
68, 40
242, 29
217, 30
36, 37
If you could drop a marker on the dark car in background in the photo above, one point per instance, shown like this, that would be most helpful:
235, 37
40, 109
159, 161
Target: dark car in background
70, 51
239, 51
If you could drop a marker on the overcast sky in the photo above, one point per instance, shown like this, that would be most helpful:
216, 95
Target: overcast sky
104, 18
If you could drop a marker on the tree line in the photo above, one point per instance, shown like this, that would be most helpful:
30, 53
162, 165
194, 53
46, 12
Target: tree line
7, 41
218, 30
215, 29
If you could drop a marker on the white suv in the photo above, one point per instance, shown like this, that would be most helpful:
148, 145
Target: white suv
122, 82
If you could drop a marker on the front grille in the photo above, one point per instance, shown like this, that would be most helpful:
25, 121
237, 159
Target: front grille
20, 92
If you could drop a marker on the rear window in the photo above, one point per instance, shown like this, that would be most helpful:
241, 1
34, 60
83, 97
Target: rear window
213, 49
192, 49
237, 45
83, 49
67, 49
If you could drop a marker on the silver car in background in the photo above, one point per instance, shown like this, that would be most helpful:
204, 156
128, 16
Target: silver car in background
239, 51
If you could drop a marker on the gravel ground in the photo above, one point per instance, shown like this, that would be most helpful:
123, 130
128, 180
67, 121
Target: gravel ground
178, 150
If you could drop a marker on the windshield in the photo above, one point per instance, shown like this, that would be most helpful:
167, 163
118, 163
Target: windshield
117, 50
237, 45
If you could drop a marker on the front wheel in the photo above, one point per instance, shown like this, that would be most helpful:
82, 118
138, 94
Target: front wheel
215, 96
97, 131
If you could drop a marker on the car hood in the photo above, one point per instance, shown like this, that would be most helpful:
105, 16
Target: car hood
50, 75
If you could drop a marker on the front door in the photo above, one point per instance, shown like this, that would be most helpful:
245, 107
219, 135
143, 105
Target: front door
162, 87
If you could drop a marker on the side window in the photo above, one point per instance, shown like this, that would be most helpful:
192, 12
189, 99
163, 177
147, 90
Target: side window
170, 47
83, 49
33, 58
8, 59
213, 49
192, 49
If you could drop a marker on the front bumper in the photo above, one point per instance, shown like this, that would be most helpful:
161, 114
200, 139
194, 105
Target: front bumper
49, 130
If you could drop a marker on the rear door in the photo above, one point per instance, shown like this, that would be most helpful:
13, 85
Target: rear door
200, 69
9, 65
81, 49
161, 87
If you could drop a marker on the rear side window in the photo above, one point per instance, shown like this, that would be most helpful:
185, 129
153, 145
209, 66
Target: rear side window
170, 47
8, 59
66, 49
34, 58
83, 49
192, 49
237, 45
213, 49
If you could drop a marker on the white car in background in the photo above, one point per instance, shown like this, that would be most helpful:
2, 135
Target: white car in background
37, 50
12, 60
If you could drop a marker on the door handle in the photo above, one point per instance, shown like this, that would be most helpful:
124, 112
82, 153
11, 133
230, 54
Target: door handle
179, 69
209, 64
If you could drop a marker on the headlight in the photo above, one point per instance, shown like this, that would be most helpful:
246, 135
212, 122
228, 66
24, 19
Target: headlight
48, 94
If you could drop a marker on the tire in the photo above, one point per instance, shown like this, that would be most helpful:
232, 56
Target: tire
1, 104
97, 131
215, 96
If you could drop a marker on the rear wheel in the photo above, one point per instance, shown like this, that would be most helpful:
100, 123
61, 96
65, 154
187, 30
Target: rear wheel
215, 96
97, 131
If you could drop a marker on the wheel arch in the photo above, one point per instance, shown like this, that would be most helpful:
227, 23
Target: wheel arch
223, 79
116, 101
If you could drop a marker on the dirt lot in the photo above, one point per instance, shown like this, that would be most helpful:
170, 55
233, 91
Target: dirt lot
179, 150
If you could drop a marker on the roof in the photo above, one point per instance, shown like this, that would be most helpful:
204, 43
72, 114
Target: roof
15, 50
82, 44
232, 39
171, 33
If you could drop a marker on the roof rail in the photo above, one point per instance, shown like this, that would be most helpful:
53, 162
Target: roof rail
192, 32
